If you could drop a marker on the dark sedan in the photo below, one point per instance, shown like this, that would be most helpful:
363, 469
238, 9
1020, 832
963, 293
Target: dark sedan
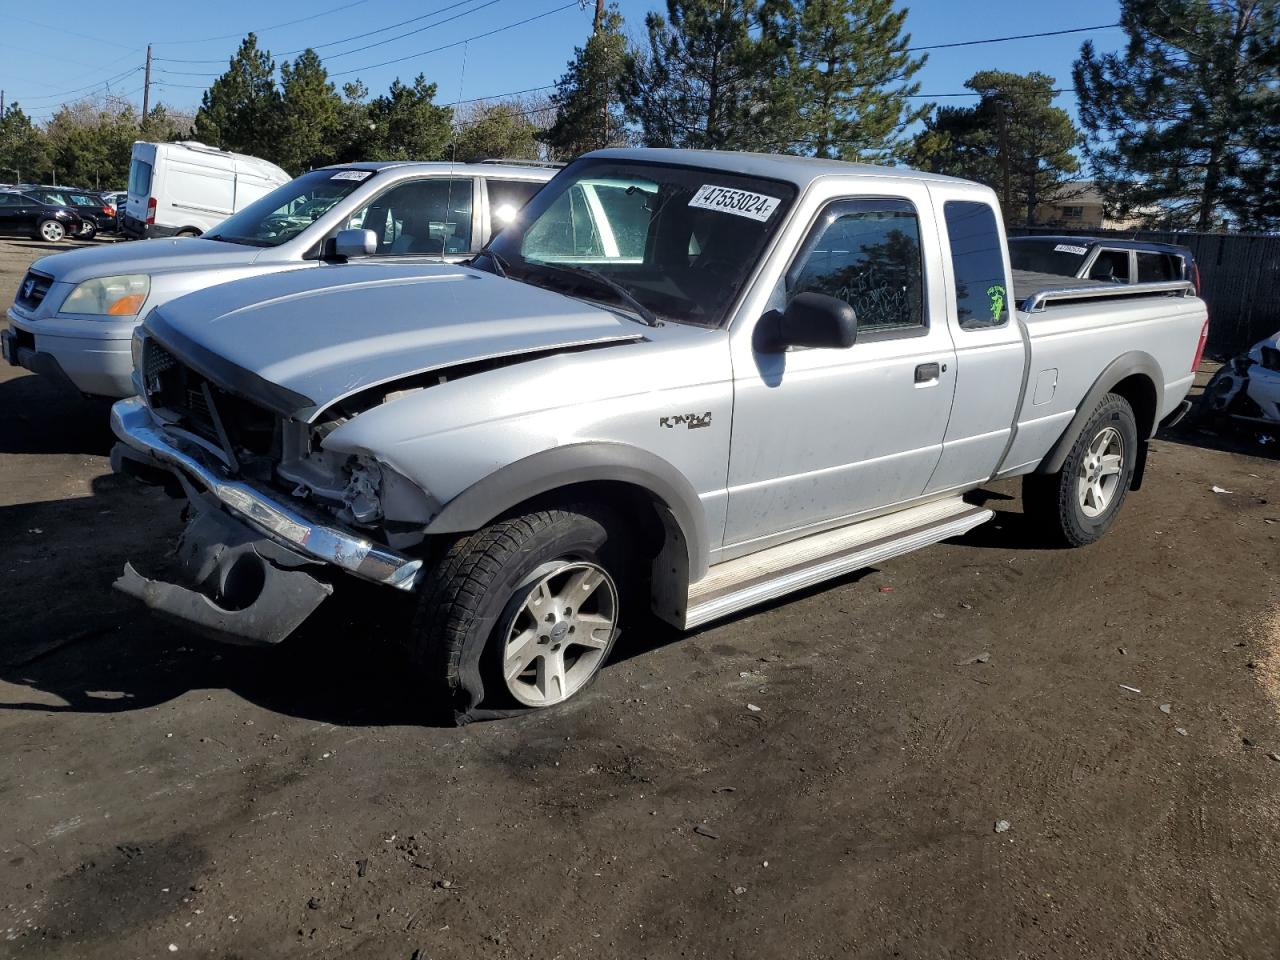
22, 215
97, 214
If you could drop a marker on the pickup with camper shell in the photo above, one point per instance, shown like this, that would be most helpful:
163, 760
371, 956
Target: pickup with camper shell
680, 384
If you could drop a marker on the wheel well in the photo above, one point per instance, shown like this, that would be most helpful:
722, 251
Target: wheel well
635, 506
1138, 389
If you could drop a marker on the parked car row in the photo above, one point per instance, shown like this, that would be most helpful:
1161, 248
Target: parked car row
679, 382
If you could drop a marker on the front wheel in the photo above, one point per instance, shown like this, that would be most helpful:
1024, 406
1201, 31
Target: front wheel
1078, 504
51, 230
521, 614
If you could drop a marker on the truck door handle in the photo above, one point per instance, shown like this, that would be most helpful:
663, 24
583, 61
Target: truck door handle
928, 372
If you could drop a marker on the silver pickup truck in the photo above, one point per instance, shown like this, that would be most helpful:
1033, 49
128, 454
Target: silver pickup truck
681, 383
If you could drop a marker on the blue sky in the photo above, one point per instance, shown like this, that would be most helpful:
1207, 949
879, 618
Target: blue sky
97, 43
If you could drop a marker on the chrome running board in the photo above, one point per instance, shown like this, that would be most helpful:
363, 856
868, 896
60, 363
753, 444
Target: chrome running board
760, 577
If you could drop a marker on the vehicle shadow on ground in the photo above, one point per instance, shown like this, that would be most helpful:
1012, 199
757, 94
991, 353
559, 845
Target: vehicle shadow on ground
40, 416
1224, 436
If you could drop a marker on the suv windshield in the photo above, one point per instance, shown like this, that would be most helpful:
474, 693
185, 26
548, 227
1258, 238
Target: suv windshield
288, 210
1063, 258
679, 240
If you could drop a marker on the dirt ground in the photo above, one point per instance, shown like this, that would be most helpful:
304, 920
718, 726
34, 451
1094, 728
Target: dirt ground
161, 794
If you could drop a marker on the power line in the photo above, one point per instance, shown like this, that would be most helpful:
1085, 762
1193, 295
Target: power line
940, 96
343, 53
1021, 36
66, 93
457, 43
358, 36
379, 43
274, 26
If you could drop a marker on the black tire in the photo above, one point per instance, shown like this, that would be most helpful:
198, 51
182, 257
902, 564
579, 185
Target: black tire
187, 233
467, 602
1053, 501
88, 231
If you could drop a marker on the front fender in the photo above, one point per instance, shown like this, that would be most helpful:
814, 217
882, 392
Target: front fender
559, 467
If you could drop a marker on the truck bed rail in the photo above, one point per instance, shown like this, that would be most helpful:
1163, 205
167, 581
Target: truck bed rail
1042, 298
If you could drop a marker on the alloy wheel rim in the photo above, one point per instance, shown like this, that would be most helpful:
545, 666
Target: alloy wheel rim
1098, 479
557, 638
52, 231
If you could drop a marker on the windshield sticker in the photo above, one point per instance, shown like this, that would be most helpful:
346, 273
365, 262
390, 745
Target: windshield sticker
352, 175
1069, 248
740, 203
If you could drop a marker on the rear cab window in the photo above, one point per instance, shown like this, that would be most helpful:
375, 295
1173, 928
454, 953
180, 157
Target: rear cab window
977, 262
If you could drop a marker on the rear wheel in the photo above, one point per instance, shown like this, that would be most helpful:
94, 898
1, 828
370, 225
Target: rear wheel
521, 614
187, 233
1078, 504
88, 231
51, 230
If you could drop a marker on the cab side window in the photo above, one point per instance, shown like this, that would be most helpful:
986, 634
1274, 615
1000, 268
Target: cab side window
1111, 265
866, 253
977, 261
422, 217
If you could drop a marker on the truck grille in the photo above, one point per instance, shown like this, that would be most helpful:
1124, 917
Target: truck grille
177, 389
33, 289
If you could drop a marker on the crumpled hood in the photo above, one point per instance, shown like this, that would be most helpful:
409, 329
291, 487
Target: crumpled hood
143, 256
324, 333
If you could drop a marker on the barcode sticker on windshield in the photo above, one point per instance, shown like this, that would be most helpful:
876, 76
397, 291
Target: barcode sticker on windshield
352, 175
1068, 248
738, 202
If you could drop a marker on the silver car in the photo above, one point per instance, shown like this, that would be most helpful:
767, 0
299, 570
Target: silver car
75, 312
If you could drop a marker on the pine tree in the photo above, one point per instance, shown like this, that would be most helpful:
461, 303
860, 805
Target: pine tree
408, 124
240, 108
705, 80
310, 115
1014, 140
848, 79
496, 130
24, 153
1182, 125
586, 99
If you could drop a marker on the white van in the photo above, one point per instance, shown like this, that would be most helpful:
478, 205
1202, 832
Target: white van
183, 189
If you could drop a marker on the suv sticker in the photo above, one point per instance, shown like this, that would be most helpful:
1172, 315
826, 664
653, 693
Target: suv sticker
1070, 248
740, 203
352, 175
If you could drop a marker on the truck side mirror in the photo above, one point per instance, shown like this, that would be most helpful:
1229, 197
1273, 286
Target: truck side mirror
355, 243
810, 320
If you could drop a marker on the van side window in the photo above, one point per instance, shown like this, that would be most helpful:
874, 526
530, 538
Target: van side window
1111, 265
977, 260
420, 217
866, 253
1158, 267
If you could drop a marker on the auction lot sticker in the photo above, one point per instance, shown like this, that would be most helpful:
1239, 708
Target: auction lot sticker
741, 203
352, 175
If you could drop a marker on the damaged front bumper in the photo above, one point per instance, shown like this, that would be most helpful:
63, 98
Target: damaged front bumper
242, 565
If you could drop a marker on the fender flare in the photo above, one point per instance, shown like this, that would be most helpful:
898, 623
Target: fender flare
550, 470
1125, 365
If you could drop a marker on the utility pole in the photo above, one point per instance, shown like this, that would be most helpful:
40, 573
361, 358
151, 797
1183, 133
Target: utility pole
599, 16
146, 87
1, 104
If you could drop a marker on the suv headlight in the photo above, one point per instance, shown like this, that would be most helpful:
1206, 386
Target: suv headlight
109, 296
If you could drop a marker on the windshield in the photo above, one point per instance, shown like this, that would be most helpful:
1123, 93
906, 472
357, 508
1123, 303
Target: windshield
1062, 258
288, 210
680, 241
